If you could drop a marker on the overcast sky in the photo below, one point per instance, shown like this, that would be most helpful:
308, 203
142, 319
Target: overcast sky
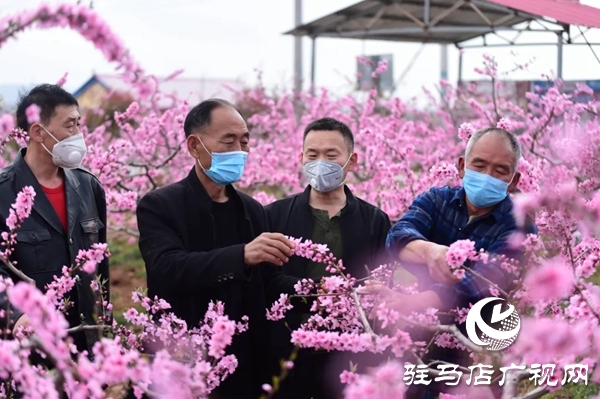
232, 38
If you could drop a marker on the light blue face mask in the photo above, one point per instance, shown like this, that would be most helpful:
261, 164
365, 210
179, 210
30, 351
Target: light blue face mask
484, 190
226, 167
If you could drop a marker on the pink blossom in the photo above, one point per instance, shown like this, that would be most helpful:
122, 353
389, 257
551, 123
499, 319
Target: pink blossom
552, 281
62, 80
7, 123
278, 309
267, 388
33, 113
459, 252
348, 377
465, 132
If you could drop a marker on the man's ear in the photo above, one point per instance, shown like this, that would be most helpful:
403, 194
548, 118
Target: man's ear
353, 162
515, 182
36, 133
460, 165
192, 144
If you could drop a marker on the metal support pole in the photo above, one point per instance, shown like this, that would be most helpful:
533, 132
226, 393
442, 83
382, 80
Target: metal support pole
426, 13
559, 66
460, 65
312, 65
298, 48
444, 66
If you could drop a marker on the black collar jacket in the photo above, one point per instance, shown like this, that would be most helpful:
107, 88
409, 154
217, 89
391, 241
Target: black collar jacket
184, 267
44, 247
364, 230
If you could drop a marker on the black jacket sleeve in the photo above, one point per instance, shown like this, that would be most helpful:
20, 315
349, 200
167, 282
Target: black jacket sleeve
11, 314
276, 282
169, 262
381, 230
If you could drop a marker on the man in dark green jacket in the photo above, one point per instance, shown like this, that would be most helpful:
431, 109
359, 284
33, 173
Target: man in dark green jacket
354, 231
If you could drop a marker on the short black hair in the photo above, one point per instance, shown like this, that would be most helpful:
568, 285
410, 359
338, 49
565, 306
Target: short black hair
331, 124
47, 97
199, 117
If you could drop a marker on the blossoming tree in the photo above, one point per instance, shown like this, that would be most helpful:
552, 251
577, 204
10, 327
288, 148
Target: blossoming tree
402, 152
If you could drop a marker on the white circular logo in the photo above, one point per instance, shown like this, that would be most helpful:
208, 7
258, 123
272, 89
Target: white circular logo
494, 339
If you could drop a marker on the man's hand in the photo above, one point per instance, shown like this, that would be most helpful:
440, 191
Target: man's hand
23, 321
393, 300
438, 266
377, 288
403, 303
268, 247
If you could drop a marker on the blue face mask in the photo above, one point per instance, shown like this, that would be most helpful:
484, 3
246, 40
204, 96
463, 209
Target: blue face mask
226, 167
482, 189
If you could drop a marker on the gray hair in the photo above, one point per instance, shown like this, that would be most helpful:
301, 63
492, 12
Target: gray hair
514, 143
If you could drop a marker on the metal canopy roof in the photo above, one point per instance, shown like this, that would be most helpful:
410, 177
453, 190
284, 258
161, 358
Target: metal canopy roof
567, 12
434, 21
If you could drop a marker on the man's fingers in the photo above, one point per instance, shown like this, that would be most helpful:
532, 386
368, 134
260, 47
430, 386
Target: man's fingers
276, 253
280, 247
370, 287
451, 278
274, 260
440, 276
267, 257
280, 237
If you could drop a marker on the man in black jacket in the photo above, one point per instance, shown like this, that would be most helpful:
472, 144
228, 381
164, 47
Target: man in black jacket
69, 209
203, 240
354, 231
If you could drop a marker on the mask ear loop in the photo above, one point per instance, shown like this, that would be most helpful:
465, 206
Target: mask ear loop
51, 135
343, 167
209, 153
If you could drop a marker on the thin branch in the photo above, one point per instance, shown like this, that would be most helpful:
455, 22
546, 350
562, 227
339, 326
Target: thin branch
434, 372
16, 271
495, 101
511, 383
478, 275
82, 327
581, 254
361, 313
312, 295
447, 328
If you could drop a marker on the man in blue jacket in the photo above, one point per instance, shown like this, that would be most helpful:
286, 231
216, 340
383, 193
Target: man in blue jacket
482, 211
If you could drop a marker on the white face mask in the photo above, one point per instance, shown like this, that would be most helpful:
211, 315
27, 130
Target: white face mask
68, 153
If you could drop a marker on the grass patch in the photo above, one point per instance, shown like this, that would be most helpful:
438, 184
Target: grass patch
574, 391
127, 274
126, 256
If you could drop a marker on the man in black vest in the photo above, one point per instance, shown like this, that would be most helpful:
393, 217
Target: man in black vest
354, 231
203, 240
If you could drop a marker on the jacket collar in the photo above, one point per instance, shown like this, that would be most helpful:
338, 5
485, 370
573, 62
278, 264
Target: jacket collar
300, 222
41, 203
498, 212
200, 222
202, 197
351, 201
